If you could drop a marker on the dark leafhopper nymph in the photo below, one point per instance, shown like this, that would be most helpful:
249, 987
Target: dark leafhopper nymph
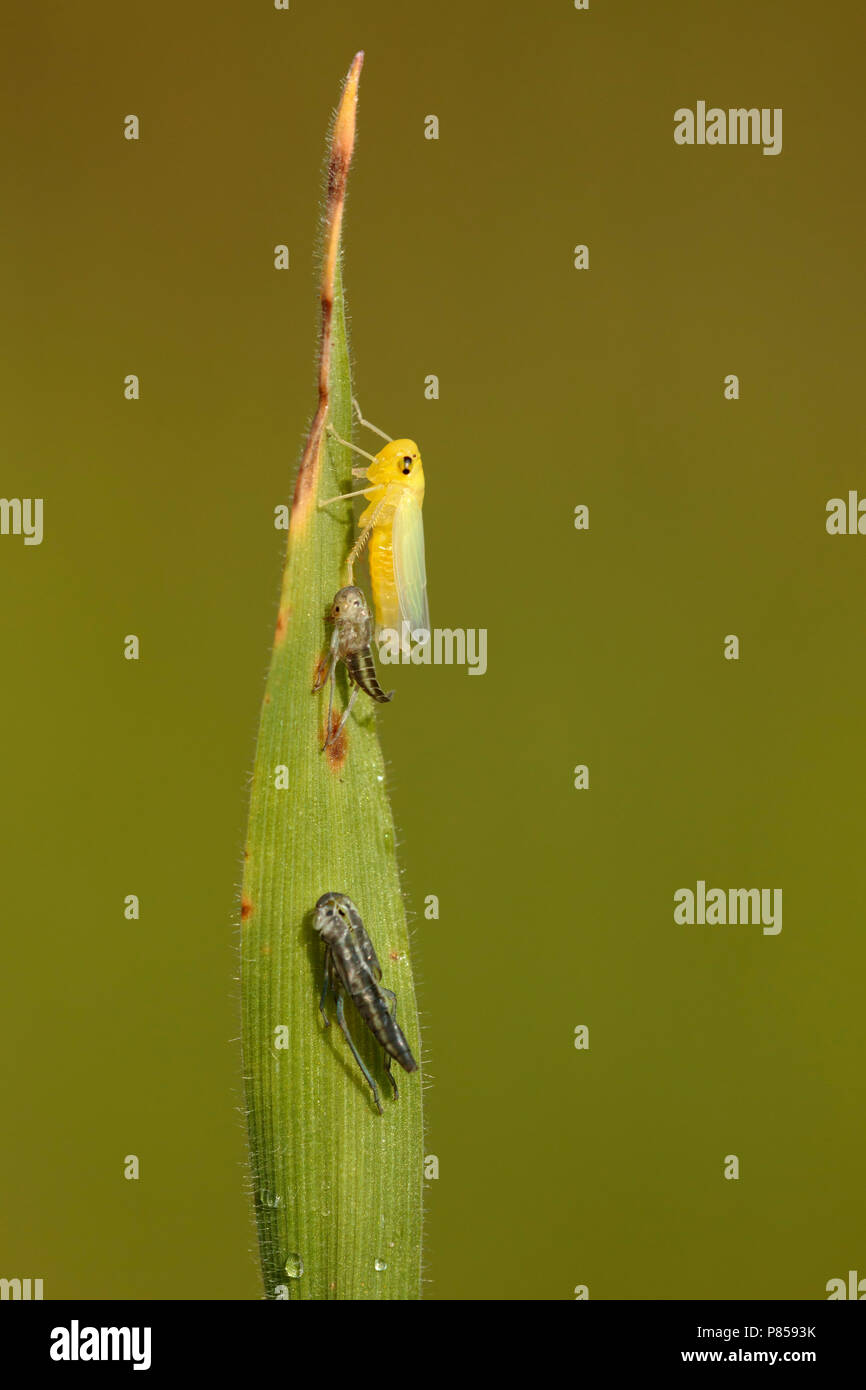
353, 632
352, 968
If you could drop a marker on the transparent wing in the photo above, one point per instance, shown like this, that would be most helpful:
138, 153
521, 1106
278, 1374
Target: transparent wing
409, 568
369, 953
363, 942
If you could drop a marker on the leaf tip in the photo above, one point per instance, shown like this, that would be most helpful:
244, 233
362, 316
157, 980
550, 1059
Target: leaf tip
343, 140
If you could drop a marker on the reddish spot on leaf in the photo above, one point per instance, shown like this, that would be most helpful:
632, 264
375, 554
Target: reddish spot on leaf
282, 623
246, 909
336, 751
265, 949
267, 699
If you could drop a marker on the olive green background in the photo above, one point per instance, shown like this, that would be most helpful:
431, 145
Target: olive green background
558, 387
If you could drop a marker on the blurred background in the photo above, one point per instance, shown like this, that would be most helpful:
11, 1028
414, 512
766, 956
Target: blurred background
558, 387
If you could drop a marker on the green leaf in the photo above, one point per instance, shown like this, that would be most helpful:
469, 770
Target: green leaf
337, 1187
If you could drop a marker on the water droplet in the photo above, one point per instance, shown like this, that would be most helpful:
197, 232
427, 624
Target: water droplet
380, 1265
269, 1199
294, 1265
379, 777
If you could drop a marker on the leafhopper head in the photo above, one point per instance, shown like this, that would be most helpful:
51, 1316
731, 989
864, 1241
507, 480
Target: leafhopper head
399, 462
349, 604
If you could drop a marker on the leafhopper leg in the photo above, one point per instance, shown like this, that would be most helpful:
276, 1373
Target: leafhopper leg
355, 1053
366, 423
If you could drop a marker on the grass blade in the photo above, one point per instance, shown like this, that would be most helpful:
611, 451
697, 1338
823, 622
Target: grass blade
337, 1188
